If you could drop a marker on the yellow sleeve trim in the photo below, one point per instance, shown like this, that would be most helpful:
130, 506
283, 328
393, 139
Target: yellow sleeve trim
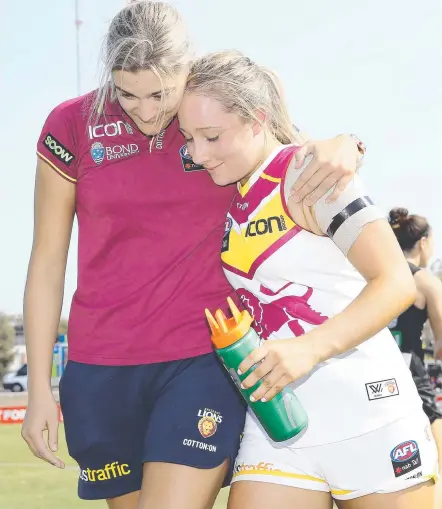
52, 165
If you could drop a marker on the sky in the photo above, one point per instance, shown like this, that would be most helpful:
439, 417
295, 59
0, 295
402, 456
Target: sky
369, 68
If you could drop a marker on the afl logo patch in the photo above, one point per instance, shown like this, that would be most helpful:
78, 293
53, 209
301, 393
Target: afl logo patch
405, 457
97, 152
186, 160
207, 426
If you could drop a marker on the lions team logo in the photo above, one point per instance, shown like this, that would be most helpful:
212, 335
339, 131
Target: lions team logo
97, 152
207, 427
208, 423
391, 388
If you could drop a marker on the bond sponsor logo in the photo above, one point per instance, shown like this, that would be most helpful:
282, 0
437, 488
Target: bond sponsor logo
227, 227
186, 160
108, 472
405, 457
208, 422
112, 129
242, 206
254, 468
99, 152
121, 151
382, 389
59, 150
263, 226
199, 445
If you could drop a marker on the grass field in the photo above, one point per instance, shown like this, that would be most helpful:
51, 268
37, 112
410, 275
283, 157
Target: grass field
28, 483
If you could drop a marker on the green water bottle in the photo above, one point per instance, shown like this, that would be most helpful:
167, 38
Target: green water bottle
283, 417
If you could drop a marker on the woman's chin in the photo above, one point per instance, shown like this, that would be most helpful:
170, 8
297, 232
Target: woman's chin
220, 180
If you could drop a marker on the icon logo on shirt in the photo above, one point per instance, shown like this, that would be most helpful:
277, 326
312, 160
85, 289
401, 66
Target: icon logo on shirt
97, 152
263, 226
188, 164
112, 129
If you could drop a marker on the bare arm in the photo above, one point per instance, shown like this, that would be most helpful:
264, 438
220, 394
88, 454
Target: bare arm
431, 287
54, 207
390, 290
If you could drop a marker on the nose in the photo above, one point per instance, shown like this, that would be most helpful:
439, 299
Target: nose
147, 110
198, 153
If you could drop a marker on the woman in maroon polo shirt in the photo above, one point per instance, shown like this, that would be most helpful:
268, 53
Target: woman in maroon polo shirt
146, 405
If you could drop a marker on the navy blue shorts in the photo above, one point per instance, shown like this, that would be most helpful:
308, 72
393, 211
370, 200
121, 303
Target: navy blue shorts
187, 412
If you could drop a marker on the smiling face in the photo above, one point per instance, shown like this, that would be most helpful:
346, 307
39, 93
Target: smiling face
150, 102
229, 147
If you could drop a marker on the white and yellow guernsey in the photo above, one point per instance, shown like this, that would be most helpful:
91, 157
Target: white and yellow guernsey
292, 280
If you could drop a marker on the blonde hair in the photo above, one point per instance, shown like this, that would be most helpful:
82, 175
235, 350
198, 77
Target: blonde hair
245, 88
143, 36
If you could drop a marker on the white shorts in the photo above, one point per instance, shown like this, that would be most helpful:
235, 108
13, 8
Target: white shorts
392, 458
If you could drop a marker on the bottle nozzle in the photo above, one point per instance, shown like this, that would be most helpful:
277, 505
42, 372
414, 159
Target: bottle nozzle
226, 331
212, 323
222, 321
235, 311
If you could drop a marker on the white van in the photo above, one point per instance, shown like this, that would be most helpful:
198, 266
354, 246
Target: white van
17, 381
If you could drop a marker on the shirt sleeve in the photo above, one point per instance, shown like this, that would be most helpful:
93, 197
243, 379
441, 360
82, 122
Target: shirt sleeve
57, 144
344, 219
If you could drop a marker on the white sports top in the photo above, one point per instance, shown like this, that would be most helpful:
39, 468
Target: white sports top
292, 280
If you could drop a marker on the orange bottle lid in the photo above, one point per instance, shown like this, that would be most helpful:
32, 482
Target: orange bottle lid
226, 331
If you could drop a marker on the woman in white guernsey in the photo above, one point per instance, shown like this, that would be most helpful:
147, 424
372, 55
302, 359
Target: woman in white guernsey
322, 282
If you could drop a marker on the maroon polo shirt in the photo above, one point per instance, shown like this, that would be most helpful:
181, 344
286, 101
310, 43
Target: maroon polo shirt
151, 224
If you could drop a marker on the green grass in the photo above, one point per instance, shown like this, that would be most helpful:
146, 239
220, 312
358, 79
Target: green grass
28, 483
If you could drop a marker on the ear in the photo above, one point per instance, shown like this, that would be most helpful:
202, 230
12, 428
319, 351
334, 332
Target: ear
423, 243
258, 123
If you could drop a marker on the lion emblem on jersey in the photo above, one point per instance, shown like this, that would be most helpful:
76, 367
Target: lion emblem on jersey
207, 426
391, 388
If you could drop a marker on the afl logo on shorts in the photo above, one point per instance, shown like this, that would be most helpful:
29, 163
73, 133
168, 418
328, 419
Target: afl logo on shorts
405, 457
97, 152
207, 426
186, 160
